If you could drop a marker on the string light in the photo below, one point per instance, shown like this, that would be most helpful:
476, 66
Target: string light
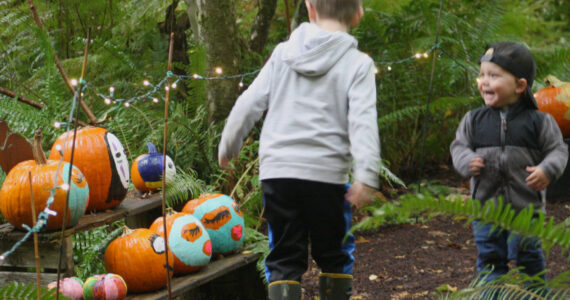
174, 85
57, 125
155, 100
127, 104
108, 101
74, 82
146, 82
64, 187
219, 70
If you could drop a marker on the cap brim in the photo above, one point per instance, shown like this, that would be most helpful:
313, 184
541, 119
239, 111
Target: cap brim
531, 100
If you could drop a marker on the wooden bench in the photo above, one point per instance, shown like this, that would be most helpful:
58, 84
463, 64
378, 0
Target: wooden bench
233, 277
20, 265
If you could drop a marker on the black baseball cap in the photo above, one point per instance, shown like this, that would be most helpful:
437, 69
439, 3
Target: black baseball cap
516, 59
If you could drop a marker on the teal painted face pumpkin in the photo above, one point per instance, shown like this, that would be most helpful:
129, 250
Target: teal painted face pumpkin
187, 239
222, 218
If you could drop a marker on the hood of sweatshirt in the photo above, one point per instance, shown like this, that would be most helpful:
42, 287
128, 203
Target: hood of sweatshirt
312, 51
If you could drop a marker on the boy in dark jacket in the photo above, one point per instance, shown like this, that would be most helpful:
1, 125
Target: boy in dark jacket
510, 150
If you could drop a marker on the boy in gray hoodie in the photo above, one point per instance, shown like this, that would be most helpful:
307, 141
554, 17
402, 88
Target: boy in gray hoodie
319, 95
510, 150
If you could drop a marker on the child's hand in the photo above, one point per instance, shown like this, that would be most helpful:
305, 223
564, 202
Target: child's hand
359, 194
223, 162
476, 165
537, 179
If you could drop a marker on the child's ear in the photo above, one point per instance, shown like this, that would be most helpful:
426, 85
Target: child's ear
311, 11
521, 85
357, 17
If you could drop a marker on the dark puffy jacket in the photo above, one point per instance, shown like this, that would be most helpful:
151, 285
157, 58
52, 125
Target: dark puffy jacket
524, 137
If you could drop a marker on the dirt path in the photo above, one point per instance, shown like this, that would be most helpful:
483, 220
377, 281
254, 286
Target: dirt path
412, 261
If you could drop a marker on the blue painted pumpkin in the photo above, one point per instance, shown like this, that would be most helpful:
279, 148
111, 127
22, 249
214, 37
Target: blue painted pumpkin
187, 239
223, 220
146, 171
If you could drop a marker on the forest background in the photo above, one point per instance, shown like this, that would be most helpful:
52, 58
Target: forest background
129, 44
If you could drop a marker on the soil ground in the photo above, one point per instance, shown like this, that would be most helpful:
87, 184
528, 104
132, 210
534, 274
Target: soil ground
411, 261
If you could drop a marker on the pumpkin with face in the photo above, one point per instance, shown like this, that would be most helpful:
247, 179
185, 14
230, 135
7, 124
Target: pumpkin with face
222, 218
187, 239
16, 193
138, 256
101, 157
146, 171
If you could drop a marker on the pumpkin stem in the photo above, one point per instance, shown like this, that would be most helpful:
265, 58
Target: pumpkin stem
38, 152
553, 81
126, 231
151, 147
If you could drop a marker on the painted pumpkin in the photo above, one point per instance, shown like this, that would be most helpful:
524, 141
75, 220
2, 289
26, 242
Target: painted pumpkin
555, 100
15, 198
146, 170
105, 287
187, 239
101, 157
138, 257
71, 287
222, 218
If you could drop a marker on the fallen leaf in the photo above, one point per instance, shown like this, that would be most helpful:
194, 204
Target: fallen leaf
430, 242
372, 277
400, 256
446, 288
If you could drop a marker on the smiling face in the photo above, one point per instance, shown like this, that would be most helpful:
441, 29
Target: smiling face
498, 87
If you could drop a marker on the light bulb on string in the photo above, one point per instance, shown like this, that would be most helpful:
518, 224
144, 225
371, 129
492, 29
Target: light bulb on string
112, 89
426, 55
219, 70
127, 104
174, 85
389, 68
195, 76
166, 88
64, 186
418, 56
74, 82
155, 100
375, 70
57, 124
108, 101
146, 82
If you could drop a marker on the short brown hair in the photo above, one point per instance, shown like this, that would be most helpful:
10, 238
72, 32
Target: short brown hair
341, 10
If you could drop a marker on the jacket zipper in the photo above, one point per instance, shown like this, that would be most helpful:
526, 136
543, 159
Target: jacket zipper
502, 157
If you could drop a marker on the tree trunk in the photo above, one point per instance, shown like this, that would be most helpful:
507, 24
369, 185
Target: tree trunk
261, 25
214, 22
301, 15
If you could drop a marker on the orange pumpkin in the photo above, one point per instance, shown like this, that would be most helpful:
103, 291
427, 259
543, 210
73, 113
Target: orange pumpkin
15, 198
189, 242
101, 157
555, 100
138, 257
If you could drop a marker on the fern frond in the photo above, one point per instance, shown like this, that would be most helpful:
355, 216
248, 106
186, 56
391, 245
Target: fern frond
22, 291
183, 187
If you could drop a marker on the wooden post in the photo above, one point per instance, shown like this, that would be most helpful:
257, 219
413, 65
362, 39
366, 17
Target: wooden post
36, 250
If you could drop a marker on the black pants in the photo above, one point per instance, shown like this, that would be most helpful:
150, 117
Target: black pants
298, 211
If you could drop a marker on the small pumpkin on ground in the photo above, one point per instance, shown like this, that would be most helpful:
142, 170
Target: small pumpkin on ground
71, 287
555, 100
15, 195
138, 257
187, 239
146, 170
105, 287
223, 220
101, 157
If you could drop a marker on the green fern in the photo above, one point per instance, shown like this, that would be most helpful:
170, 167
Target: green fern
22, 291
183, 187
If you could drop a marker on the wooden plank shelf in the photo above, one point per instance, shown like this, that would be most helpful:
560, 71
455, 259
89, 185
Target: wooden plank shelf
241, 269
133, 209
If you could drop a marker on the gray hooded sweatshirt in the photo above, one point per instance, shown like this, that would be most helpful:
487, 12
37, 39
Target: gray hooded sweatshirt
319, 94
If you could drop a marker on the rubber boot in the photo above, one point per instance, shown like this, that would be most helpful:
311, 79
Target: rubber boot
284, 290
335, 286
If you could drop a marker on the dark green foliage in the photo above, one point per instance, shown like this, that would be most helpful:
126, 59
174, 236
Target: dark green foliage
22, 291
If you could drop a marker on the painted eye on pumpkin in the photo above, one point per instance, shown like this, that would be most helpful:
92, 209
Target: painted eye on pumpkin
157, 243
237, 209
191, 232
78, 179
119, 157
217, 218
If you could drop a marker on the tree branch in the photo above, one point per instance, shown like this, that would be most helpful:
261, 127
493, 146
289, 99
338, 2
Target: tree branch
83, 105
20, 98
